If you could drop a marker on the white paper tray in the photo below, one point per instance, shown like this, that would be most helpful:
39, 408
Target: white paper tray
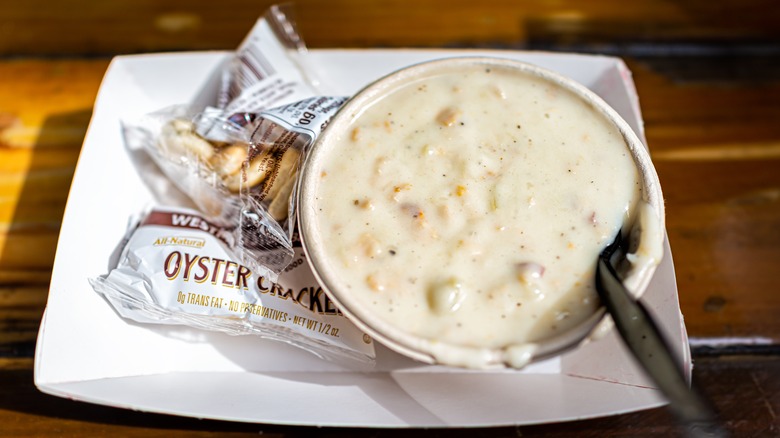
86, 352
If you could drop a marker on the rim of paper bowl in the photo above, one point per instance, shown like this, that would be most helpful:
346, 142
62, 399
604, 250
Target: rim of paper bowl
419, 348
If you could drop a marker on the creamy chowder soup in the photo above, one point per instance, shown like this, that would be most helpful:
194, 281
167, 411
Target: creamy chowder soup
469, 207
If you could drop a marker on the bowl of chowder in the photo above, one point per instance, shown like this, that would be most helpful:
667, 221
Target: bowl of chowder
455, 209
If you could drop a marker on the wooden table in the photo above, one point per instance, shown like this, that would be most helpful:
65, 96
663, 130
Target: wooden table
708, 78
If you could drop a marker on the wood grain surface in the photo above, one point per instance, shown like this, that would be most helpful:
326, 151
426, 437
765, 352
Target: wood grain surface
83, 27
708, 77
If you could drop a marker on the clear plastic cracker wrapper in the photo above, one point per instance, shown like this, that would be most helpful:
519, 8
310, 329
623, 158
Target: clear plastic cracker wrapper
174, 269
245, 181
237, 158
233, 265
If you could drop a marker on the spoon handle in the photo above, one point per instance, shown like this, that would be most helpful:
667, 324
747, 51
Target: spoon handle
642, 336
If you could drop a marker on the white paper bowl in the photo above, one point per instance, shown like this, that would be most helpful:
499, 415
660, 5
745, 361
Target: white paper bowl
648, 236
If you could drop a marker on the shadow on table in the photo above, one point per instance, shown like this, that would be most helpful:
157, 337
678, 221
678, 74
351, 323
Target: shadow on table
40, 169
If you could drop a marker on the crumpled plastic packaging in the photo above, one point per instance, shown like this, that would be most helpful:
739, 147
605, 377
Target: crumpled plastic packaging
175, 269
234, 265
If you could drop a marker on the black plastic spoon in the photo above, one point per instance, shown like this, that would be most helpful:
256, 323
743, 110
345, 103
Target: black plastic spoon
642, 336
